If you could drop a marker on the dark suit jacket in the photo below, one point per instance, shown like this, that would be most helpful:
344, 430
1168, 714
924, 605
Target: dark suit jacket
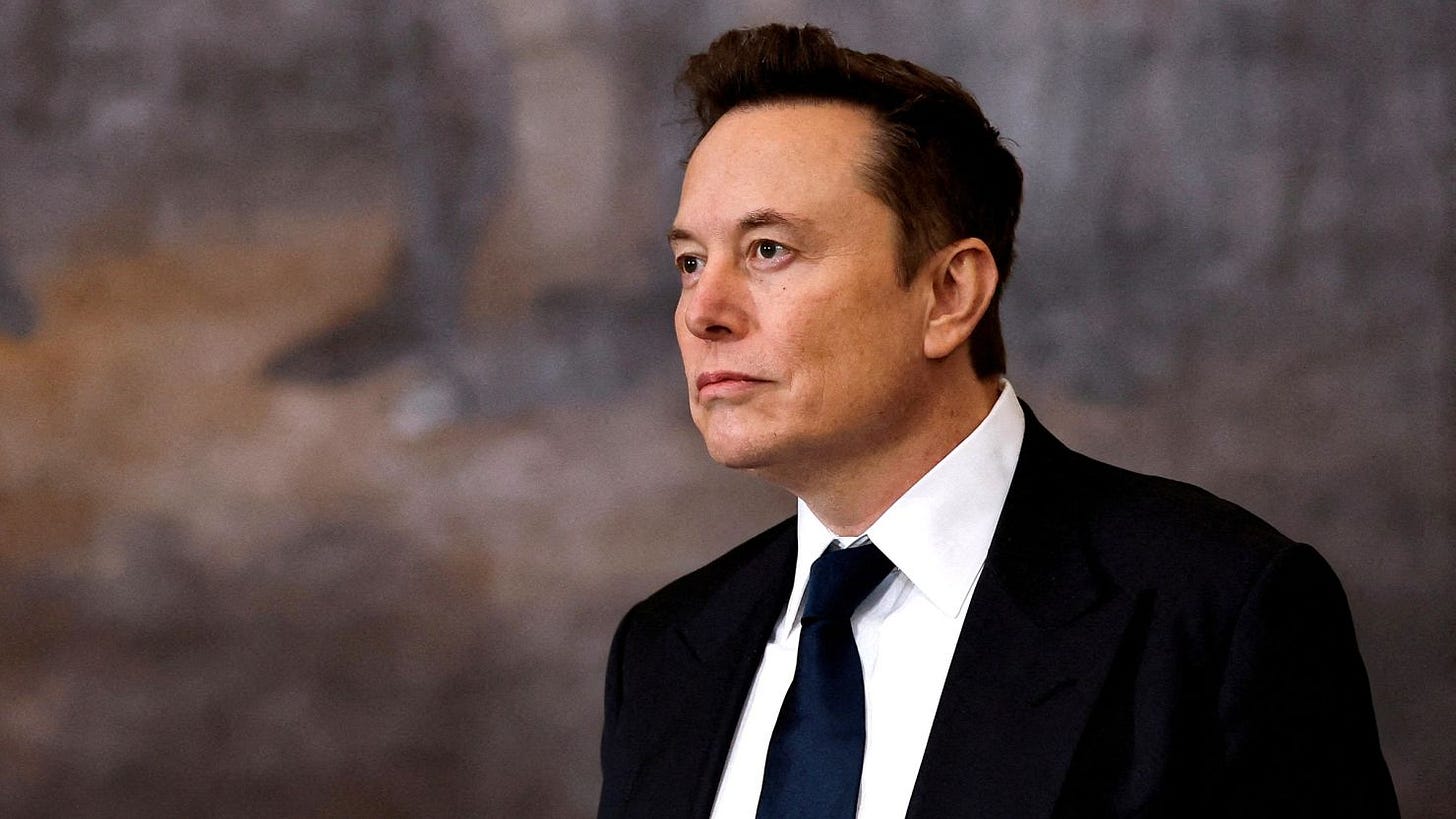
1134, 647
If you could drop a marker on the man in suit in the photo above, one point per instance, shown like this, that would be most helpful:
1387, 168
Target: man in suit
964, 618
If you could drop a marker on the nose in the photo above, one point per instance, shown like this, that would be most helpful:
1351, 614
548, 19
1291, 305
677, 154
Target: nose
717, 306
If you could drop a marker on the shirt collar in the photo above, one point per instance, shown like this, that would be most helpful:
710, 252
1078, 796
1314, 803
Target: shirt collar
937, 533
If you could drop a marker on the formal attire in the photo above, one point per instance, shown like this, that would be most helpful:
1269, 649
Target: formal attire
1132, 646
937, 534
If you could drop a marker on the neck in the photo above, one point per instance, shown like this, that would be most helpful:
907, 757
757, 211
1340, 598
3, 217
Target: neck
850, 493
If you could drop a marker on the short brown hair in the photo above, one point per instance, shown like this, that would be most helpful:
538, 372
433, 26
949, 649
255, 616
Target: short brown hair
940, 166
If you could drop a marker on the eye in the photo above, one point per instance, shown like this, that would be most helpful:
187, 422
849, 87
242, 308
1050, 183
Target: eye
768, 250
689, 265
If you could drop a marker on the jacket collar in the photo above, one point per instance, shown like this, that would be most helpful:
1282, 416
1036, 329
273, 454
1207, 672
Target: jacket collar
1043, 626
737, 616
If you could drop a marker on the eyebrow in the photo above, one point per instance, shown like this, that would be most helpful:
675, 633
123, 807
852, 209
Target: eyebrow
768, 217
763, 217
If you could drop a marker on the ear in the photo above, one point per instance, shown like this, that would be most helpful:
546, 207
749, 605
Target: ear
963, 278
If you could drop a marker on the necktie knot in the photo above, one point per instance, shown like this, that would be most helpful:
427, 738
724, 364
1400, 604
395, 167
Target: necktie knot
841, 579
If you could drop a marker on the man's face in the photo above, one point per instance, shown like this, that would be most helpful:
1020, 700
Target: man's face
802, 350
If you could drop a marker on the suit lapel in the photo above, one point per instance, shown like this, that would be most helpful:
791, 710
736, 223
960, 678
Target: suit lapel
1038, 640
718, 652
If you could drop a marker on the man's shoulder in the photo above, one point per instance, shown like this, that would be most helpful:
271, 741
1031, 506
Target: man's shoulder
757, 560
1153, 531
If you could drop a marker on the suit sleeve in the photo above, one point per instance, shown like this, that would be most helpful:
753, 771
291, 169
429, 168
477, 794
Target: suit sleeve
1299, 727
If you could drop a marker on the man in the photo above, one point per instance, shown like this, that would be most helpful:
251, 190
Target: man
964, 618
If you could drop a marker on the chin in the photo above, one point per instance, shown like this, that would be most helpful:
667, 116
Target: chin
737, 451
739, 442
734, 455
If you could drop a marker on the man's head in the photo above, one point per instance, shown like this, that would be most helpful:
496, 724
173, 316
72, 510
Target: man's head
936, 162
835, 264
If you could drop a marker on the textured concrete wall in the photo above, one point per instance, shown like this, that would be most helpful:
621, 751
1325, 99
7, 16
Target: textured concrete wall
339, 415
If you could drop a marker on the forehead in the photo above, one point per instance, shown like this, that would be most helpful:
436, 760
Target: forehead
801, 157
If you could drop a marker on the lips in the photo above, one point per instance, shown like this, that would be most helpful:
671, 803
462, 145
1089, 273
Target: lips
719, 383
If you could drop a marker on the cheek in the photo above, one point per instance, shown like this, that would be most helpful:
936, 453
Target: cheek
817, 350
863, 355
852, 322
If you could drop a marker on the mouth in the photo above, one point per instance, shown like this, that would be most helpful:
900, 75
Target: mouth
723, 383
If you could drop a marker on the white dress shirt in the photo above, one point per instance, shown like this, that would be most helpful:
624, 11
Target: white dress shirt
937, 535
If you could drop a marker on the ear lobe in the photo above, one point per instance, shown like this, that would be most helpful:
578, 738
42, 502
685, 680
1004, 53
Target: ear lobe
963, 280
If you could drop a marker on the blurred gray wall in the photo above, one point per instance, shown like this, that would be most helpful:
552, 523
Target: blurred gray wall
339, 411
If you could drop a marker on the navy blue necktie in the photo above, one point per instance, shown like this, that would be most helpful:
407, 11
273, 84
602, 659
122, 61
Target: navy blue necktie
817, 749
